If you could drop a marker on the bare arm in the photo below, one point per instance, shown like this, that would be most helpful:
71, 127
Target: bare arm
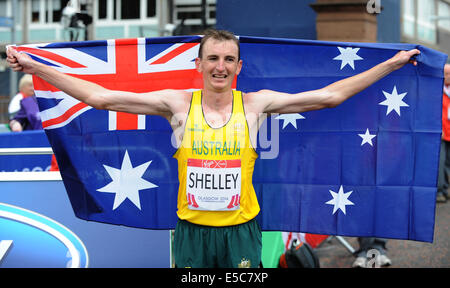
154, 103
330, 96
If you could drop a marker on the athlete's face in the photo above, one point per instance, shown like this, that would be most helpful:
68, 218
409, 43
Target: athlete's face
219, 64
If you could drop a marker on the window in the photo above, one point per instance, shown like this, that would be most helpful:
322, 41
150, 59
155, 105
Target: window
47, 11
102, 9
151, 8
56, 9
115, 9
408, 17
18, 15
192, 12
35, 10
426, 26
126, 9
419, 20
444, 15
3, 8
130, 9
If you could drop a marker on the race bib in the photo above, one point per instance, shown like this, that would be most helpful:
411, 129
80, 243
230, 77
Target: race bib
213, 185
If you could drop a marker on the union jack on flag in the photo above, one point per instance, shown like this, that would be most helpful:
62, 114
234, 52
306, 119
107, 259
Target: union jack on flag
366, 168
135, 65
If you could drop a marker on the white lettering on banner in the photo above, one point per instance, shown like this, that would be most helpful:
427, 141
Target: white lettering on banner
213, 185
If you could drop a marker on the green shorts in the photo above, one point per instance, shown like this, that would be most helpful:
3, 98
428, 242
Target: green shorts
198, 246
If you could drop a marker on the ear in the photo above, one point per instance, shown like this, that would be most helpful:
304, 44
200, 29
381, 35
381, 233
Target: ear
197, 64
239, 67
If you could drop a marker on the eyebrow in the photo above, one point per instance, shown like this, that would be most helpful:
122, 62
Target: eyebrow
226, 56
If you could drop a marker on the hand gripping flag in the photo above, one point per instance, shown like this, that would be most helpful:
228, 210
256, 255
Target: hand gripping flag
365, 168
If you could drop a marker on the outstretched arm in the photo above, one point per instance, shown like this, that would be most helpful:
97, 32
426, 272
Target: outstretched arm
155, 103
331, 95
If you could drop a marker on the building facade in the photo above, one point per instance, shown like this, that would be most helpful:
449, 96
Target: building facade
38, 21
425, 22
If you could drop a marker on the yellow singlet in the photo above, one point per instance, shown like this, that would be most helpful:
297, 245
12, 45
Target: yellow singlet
215, 168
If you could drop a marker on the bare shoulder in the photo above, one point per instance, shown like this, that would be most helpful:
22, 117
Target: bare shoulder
185, 98
256, 102
178, 95
178, 101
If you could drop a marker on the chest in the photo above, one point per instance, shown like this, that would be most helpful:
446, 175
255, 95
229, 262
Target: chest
217, 118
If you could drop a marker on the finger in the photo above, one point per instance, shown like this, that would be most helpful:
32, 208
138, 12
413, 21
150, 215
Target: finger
16, 67
14, 52
9, 54
15, 64
11, 50
412, 61
11, 59
414, 52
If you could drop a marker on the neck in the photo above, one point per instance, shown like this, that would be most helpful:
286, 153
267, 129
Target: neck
217, 100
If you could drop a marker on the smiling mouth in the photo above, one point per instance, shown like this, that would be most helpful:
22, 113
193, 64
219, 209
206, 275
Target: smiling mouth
219, 76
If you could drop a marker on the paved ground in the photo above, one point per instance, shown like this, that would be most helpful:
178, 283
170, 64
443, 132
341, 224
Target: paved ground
403, 253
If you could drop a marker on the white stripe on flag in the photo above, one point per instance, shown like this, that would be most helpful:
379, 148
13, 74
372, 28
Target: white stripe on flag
141, 122
112, 120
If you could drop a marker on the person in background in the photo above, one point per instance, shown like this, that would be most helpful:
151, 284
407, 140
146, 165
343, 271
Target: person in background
25, 90
27, 117
444, 159
24, 111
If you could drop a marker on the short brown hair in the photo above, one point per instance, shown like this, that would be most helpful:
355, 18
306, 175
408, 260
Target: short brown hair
221, 35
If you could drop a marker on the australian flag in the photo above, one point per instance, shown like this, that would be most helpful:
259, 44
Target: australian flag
365, 168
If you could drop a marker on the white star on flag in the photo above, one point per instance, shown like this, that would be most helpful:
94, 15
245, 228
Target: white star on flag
367, 137
290, 119
340, 200
126, 182
394, 101
348, 56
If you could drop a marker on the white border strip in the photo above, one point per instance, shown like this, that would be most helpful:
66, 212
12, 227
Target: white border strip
30, 176
26, 151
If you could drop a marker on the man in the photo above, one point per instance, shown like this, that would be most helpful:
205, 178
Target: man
444, 159
216, 131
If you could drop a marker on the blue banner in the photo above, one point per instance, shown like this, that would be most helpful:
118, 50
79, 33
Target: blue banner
24, 163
